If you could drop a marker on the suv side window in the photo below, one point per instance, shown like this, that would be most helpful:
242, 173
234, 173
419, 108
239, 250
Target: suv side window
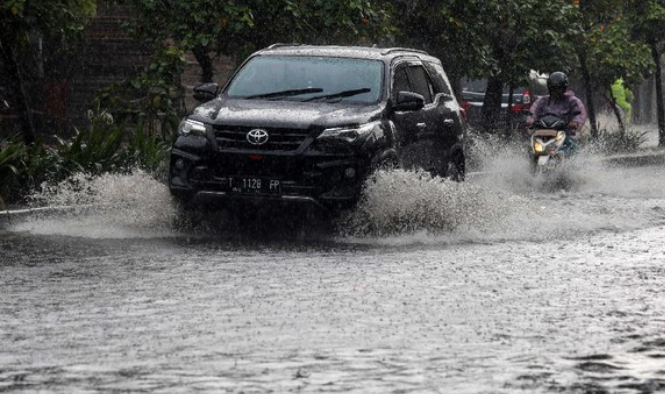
441, 83
400, 81
420, 83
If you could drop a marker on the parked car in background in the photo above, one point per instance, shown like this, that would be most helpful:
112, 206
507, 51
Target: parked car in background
473, 97
301, 124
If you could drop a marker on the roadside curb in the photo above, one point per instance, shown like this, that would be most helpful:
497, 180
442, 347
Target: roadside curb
7, 215
644, 158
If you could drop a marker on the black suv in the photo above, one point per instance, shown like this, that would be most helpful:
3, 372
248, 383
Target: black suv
308, 124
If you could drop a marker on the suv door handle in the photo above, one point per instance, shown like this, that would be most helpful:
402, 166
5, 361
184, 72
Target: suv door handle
421, 125
448, 122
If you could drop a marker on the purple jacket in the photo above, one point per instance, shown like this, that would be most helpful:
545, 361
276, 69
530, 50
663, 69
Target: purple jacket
568, 107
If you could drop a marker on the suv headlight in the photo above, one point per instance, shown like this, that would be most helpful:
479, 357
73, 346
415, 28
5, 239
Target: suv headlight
348, 134
192, 127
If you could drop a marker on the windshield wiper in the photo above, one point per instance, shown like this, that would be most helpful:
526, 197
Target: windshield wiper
340, 95
284, 93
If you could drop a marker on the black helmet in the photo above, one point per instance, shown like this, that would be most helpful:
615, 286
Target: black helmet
557, 80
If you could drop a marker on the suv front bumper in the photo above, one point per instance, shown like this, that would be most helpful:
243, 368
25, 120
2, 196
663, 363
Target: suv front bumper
326, 181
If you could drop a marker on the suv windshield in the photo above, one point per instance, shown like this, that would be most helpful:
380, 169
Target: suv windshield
303, 78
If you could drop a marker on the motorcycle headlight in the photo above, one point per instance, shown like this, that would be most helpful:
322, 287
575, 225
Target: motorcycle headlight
192, 127
348, 134
538, 147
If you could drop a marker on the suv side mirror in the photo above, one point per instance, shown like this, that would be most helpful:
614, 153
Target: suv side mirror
205, 92
409, 101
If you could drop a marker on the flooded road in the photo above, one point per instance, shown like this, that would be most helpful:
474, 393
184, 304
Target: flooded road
497, 285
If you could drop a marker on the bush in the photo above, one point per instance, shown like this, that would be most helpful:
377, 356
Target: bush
616, 141
103, 147
12, 157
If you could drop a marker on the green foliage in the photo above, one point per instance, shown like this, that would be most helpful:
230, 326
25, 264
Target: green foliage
52, 18
228, 27
151, 99
189, 23
108, 147
613, 55
647, 20
609, 141
12, 155
93, 150
101, 148
479, 38
148, 152
496, 39
609, 50
22, 167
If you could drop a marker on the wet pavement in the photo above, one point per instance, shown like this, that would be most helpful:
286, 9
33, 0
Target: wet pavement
498, 285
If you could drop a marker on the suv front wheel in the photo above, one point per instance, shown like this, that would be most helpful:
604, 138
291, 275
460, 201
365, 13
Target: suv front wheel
456, 168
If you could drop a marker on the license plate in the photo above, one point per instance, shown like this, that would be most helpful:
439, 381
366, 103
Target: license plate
255, 185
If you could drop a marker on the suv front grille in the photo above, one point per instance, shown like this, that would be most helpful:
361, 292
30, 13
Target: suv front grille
279, 139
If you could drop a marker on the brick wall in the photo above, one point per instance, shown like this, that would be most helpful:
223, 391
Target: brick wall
108, 54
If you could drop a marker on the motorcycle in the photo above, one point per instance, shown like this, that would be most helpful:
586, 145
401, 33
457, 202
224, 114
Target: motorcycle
549, 149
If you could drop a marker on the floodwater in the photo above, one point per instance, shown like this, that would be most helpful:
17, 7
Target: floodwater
502, 284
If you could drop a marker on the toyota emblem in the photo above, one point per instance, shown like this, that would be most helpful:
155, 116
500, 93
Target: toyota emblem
257, 137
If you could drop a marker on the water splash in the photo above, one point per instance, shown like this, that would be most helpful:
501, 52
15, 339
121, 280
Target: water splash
402, 202
503, 201
108, 206
500, 201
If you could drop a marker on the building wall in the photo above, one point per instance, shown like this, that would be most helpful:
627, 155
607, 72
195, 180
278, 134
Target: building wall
105, 55
108, 54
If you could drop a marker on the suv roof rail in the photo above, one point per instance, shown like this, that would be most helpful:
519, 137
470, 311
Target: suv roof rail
401, 49
281, 44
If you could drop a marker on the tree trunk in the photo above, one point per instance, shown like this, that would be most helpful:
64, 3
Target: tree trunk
20, 96
660, 107
509, 113
203, 58
588, 91
617, 114
492, 104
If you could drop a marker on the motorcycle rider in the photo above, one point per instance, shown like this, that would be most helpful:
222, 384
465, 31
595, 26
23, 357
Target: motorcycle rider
560, 102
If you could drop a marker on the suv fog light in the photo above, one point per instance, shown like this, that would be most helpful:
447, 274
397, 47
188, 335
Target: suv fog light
350, 172
180, 164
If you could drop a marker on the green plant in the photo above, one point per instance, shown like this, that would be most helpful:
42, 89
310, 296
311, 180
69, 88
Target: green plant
148, 152
102, 147
94, 150
616, 141
12, 156
24, 167
150, 99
